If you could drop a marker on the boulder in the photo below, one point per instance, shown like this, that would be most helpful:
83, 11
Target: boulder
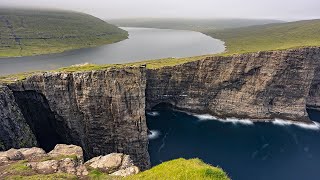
126, 172
108, 164
45, 167
67, 150
32, 152
13, 155
116, 164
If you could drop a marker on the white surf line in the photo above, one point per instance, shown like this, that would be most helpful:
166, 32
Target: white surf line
279, 122
311, 126
207, 117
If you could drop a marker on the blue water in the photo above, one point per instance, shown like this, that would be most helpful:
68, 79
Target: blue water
259, 151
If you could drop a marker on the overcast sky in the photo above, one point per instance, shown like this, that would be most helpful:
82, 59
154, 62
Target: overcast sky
107, 9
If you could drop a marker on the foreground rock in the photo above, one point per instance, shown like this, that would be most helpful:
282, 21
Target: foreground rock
64, 159
117, 164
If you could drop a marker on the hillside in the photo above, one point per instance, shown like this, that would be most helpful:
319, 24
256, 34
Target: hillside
189, 24
270, 36
182, 169
33, 32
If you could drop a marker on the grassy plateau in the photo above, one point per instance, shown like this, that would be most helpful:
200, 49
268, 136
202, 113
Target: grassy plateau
269, 37
26, 32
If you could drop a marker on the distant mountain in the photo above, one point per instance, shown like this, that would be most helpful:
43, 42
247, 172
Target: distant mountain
25, 32
190, 24
270, 36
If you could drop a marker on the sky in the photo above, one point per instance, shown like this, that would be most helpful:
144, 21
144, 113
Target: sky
111, 9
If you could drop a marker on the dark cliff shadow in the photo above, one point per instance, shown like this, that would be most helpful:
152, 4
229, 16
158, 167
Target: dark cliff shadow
313, 114
42, 121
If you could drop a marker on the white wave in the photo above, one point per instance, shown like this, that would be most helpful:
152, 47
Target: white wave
154, 134
205, 117
153, 113
280, 122
311, 126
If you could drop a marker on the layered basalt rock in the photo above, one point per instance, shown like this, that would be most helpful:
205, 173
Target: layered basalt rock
101, 111
261, 86
14, 131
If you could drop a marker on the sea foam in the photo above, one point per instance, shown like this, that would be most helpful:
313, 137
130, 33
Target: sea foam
279, 122
153, 113
311, 126
154, 134
206, 117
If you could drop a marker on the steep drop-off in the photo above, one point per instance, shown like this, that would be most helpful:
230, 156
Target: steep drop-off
261, 86
103, 111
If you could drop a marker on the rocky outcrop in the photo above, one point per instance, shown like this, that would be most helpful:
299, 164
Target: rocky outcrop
116, 164
261, 86
62, 160
101, 111
14, 131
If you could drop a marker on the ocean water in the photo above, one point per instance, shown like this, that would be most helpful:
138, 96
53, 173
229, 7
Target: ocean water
245, 150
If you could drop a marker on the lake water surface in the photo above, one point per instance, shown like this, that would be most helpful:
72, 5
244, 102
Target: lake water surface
143, 44
246, 151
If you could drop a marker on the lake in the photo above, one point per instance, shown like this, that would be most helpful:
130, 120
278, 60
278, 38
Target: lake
143, 44
246, 151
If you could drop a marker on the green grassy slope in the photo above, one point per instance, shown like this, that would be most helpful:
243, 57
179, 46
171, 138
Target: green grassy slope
189, 24
32, 32
270, 37
181, 169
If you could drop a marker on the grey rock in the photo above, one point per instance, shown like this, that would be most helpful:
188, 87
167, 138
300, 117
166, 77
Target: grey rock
14, 131
14, 155
127, 171
32, 152
108, 164
45, 167
61, 150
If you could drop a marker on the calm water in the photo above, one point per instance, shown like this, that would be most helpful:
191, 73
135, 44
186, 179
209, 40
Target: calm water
259, 151
143, 43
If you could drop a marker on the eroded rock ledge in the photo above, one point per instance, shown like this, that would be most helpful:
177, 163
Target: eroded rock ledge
62, 159
103, 111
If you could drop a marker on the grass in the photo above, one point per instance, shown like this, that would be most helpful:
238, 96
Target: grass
57, 176
73, 157
269, 37
96, 174
19, 167
189, 24
151, 64
26, 32
182, 169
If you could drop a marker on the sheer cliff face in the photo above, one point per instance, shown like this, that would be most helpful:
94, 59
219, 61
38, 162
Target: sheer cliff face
14, 131
263, 85
102, 111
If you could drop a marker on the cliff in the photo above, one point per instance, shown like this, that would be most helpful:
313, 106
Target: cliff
101, 111
14, 131
261, 86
